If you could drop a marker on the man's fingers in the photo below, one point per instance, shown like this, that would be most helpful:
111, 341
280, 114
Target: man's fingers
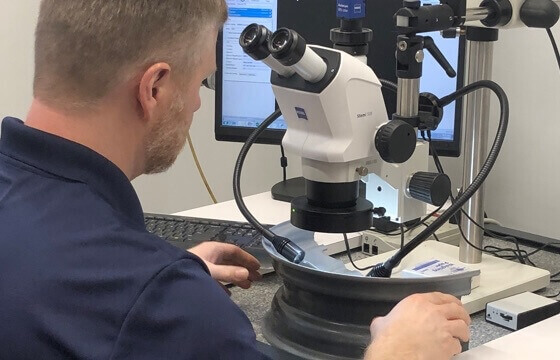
236, 275
458, 329
234, 255
255, 276
452, 311
228, 273
244, 284
376, 323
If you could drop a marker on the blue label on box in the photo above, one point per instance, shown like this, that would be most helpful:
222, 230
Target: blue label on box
351, 9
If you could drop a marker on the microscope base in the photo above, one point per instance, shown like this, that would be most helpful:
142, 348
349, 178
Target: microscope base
499, 278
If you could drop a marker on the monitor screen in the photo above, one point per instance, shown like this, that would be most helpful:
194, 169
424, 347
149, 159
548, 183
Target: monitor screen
244, 97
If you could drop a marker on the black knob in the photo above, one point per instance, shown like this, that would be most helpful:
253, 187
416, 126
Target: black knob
539, 13
412, 4
431, 188
396, 141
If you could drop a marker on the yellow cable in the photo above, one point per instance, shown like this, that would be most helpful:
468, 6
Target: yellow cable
200, 171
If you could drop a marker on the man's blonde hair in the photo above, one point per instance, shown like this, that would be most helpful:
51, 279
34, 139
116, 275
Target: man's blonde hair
84, 48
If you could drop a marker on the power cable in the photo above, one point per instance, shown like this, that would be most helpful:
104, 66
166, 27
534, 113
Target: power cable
200, 171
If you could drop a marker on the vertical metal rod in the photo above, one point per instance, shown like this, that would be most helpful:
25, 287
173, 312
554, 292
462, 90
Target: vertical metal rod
476, 138
407, 97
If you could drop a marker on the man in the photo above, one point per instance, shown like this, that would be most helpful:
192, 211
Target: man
115, 89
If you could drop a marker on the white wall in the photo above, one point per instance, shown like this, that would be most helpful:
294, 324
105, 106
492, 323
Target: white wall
178, 189
17, 27
523, 192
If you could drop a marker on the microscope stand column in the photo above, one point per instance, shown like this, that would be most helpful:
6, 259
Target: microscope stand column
480, 43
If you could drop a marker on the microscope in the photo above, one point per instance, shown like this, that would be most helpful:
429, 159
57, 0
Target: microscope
335, 114
337, 123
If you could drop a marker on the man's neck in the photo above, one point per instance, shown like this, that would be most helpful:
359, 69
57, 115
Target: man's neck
106, 133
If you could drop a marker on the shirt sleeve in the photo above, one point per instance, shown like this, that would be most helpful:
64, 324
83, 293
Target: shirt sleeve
184, 314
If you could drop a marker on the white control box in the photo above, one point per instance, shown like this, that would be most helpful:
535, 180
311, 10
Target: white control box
522, 310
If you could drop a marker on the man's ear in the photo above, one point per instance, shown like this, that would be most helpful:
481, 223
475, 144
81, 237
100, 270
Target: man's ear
153, 88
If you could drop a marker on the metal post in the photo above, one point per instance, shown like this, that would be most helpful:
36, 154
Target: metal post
476, 136
407, 97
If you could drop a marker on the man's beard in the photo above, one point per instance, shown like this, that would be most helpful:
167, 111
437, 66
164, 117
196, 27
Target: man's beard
167, 139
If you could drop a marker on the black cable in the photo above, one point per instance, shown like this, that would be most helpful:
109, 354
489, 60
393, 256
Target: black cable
553, 296
284, 246
410, 228
389, 85
518, 254
544, 246
283, 162
402, 235
435, 155
510, 239
434, 234
385, 269
493, 250
554, 46
555, 275
349, 254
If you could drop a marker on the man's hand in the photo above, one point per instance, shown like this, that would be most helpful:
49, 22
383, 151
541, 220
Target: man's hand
228, 263
422, 326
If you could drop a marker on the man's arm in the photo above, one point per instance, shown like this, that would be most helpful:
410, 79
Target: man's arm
421, 327
184, 314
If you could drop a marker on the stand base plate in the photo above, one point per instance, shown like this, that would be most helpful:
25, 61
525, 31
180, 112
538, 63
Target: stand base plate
499, 278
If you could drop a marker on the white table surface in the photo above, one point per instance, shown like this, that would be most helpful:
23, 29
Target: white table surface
539, 341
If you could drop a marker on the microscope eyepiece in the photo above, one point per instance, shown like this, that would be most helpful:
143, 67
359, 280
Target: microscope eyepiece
254, 41
287, 46
290, 49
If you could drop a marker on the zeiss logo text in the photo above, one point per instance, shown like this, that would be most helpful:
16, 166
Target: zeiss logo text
301, 113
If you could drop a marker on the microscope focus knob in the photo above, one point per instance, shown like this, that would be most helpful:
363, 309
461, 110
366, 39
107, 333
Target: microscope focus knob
431, 188
396, 141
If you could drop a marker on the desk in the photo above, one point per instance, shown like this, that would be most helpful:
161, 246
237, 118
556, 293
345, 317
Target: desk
256, 301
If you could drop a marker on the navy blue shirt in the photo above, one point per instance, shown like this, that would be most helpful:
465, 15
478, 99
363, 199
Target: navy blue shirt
80, 277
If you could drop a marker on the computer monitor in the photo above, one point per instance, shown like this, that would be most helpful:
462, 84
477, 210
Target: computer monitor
244, 97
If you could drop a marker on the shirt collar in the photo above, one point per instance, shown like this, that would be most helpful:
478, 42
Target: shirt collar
73, 161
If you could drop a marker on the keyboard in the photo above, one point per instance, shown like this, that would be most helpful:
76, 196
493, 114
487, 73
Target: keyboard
186, 232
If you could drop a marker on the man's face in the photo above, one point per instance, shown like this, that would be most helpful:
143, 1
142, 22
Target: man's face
168, 137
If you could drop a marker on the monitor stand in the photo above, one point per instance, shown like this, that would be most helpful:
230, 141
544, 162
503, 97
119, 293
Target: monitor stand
289, 189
